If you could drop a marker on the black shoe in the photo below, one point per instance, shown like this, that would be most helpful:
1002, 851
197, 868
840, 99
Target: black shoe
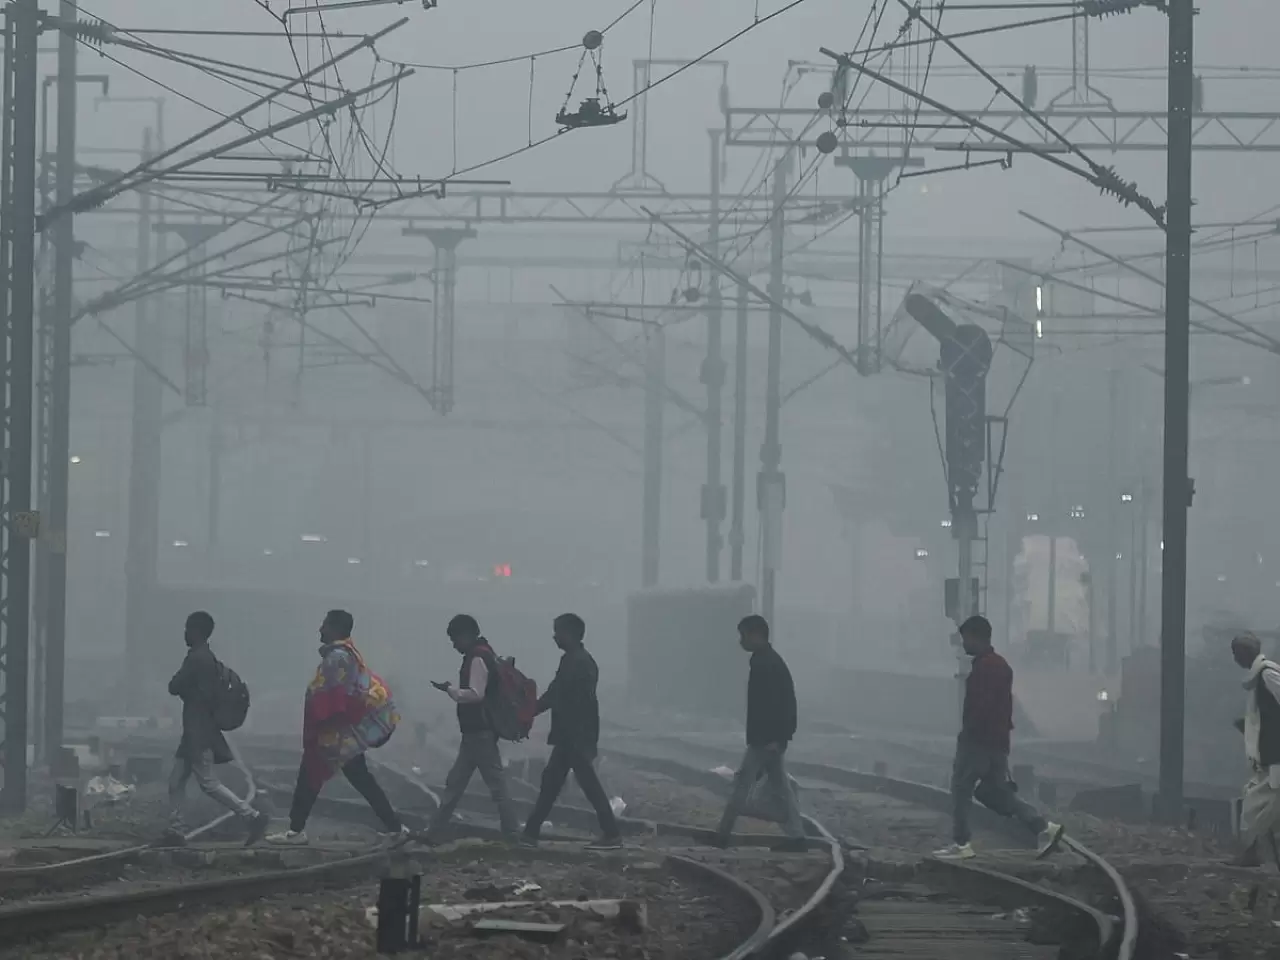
721, 842
528, 842
605, 843
793, 845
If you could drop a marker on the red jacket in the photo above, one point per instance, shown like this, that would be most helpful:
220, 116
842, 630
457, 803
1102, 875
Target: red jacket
988, 702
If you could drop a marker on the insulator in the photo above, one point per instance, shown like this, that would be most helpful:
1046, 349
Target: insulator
94, 32
1030, 86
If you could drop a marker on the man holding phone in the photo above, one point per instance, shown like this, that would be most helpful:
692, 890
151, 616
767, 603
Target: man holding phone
478, 750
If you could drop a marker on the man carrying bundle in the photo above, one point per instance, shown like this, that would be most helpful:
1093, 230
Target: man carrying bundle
348, 711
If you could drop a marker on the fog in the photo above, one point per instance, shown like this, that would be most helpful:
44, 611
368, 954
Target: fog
325, 474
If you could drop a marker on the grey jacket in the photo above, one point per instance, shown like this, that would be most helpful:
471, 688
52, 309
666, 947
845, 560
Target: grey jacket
196, 682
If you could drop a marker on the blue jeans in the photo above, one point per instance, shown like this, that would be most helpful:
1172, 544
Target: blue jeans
983, 773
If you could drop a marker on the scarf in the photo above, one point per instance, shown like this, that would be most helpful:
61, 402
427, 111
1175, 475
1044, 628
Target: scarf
1252, 716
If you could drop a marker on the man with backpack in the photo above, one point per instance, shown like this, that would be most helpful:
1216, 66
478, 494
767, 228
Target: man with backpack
574, 736
200, 682
348, 711
476, 695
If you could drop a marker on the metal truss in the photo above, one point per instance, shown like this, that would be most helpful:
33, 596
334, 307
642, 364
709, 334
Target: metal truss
18, 524
614, 206
1090, 128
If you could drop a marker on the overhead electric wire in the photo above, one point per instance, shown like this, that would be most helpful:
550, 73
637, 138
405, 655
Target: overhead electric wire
650, 86
178, 93
459, 68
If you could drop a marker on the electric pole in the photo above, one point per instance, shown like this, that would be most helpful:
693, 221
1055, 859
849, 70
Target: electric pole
1178, 487
713, 378
17, 301
654, 400
64, 243
772, 483
1113, 496
144, 466
737, 531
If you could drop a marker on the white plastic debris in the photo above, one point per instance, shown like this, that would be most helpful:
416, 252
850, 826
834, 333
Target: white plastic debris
109, 788
723, 771
417, 771
618, 806
527, 886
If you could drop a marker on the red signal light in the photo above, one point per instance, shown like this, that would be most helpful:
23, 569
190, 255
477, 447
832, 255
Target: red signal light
502, 570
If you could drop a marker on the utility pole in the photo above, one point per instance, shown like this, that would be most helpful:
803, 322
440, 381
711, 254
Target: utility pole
654, 401
214, 513
713, 378
1134, 636
737, 531
144, 465
1113, 495
1144, 534
64, 243
1178, 487
17, 302
772, 482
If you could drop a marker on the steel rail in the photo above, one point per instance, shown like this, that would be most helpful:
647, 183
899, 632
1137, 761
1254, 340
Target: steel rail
768, 935
67, 868
25, 921
764, 932
1113, 944
767, 918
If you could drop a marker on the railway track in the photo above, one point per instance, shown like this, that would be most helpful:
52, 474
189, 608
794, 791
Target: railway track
921, 908
899, 905
849, 893
23, 926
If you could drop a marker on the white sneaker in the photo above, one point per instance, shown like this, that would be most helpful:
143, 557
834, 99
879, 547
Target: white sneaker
290, 838
1050, 840
956, 851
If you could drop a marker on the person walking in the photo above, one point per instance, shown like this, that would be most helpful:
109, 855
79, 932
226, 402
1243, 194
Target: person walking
1260, 806
348, 711
574, 736
981, 765
771, 725
203, 744
478, 750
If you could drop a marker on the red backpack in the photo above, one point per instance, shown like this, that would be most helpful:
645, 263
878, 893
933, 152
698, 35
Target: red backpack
513, 705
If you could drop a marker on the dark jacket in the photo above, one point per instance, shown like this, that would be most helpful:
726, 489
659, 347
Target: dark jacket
1269, 733
196, 682
988, 702
571, 698
474, 717
771, 700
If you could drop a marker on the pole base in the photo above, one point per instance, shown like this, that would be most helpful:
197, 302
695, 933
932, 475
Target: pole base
1169, 811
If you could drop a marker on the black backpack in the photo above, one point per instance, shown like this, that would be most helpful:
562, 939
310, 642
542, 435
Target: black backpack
231, 702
